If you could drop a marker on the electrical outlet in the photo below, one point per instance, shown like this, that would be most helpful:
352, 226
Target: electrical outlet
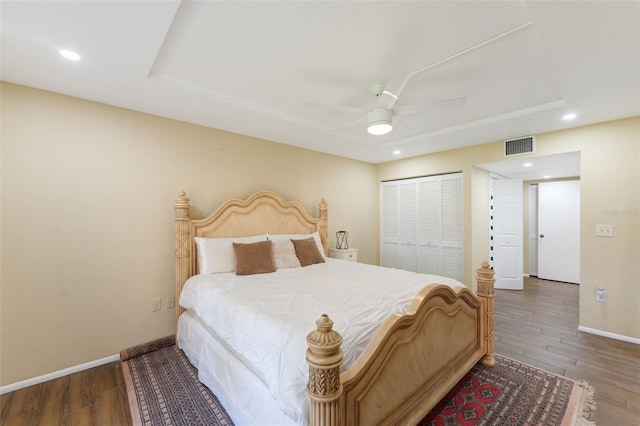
171, 302
604, 230
601, 295
155, 305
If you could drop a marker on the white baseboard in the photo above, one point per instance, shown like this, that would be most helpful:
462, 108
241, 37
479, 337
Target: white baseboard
60, 373
610, 335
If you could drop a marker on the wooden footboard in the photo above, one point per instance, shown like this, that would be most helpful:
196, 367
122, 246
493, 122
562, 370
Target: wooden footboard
411, 363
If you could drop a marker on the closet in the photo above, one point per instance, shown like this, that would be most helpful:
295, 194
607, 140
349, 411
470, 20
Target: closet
421, 225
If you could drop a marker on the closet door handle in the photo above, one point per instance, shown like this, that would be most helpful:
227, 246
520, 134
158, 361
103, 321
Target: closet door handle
541, 235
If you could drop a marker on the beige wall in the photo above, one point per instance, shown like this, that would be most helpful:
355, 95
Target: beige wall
610, 194
87, 218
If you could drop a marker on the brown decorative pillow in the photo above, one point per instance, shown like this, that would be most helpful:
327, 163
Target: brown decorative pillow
255, 258
307, 251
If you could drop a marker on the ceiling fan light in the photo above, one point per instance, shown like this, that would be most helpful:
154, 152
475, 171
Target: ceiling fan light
379, 129
379, 121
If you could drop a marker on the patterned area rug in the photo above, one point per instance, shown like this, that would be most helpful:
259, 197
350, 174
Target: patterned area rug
512, 393
163, 389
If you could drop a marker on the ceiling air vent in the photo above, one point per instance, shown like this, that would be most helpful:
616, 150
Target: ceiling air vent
519, 146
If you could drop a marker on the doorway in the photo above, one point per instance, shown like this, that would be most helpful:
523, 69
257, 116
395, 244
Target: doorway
534, 169
558, 232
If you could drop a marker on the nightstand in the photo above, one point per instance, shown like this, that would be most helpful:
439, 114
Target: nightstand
350, 255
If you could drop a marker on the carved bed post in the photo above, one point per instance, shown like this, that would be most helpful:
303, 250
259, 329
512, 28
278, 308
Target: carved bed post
183, 245
324, 232
324, 357
484, 276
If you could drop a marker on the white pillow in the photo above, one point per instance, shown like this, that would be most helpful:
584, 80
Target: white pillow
216, 255
315, 235
284, 254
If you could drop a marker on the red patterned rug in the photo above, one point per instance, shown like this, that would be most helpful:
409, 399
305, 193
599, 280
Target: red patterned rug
512, 393
163, 389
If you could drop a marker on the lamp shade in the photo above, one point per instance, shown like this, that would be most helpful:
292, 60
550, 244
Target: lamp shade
379, 121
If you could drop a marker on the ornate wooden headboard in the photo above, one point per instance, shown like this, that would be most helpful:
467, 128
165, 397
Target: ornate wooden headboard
263, 212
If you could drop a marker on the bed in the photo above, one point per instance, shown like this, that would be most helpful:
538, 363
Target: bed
413, 353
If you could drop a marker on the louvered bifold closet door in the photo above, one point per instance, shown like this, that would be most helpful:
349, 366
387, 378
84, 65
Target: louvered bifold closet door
421, 225
399, 221
408, 225
451, 255
389, 224
428, 228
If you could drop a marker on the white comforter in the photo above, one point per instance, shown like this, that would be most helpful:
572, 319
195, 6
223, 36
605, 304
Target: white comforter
265, 318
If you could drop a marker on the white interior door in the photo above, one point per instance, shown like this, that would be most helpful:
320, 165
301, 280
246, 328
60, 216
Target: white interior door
533, 230
559, 231
507, 233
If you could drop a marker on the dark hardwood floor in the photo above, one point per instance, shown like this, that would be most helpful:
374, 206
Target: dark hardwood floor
91, 397
537, 326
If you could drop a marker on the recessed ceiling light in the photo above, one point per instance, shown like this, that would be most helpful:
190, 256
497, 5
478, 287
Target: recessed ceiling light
569, 116
546, 177
73, 56
396, 152
528, 164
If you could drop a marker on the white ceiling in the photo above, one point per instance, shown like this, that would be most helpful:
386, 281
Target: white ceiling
556, 166
272, 69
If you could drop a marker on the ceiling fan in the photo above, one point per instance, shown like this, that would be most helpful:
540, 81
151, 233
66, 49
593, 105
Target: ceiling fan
383, 116
379, 119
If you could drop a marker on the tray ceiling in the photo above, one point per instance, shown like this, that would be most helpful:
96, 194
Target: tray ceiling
300, 73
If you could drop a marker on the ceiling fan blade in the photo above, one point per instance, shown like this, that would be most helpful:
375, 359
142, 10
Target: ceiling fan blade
393, 87
400, 126
351, 124
418, 108
330, 107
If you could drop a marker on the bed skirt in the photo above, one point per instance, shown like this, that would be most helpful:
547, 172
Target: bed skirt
244, 396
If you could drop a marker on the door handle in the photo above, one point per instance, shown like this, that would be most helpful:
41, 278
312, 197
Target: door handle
541, 235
